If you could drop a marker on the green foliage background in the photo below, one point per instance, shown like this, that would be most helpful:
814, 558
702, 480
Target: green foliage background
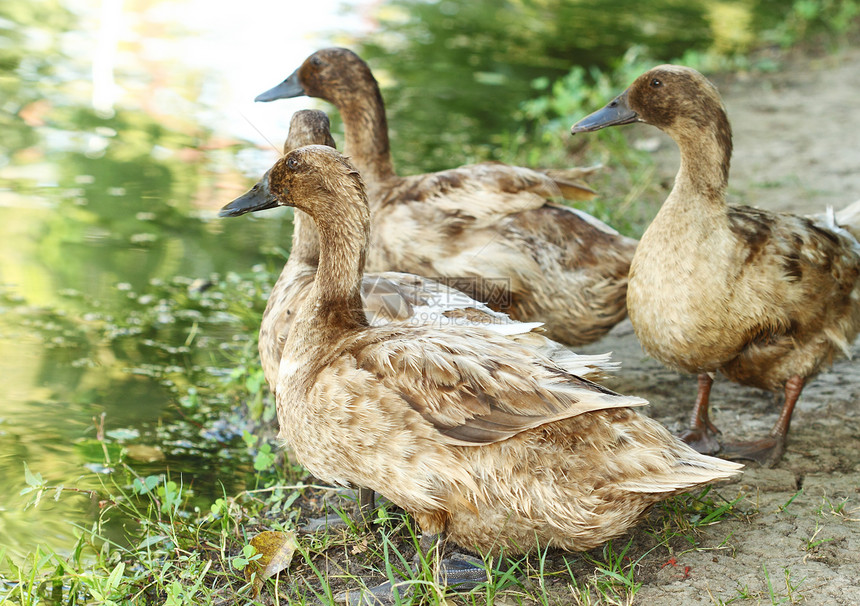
455, 73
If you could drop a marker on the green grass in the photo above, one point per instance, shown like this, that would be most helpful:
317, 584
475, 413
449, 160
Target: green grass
175, 555
774, 592
828, 506
813, 542
791, 499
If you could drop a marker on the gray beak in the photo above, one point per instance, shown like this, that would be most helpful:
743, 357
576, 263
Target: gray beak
289, 88
614, 113
257, 198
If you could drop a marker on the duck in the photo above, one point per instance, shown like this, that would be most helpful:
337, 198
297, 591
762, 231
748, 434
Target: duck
387, 297
486, 442
768, 299
492, 230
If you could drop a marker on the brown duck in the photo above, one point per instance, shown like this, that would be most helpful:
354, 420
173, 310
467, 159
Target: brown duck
489, 229
389, 296
386, 297
480, 438
769, 299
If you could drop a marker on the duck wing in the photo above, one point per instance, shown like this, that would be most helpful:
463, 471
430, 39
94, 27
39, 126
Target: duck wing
804, 276
407, 299
485, 193
396, 296
476, 387
496, 224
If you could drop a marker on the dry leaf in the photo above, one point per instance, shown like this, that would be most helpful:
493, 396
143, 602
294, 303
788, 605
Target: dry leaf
276, 551
359, 547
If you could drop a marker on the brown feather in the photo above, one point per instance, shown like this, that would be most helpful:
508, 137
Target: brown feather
487, 228
387, 297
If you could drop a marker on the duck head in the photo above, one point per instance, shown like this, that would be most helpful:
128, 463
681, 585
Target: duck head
315, 178
308, 127
674, 98
327, 74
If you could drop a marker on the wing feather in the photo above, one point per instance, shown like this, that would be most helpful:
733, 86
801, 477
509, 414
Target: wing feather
476, 387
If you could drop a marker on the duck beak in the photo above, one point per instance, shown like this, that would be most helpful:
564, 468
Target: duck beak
257, 198
289, 88
614, 113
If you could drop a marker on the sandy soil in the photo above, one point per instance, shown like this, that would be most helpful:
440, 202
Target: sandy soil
797, 148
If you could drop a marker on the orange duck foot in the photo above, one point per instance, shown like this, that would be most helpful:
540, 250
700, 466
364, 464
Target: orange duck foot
767, 452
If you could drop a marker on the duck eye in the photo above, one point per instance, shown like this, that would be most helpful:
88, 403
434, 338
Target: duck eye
316, 61
655, 83
293, 164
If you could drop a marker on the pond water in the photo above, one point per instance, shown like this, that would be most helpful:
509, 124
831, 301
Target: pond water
123, 133
124, 130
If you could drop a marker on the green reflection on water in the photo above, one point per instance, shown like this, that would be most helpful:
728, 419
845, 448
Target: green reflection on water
103, 232
469, 64
85, 330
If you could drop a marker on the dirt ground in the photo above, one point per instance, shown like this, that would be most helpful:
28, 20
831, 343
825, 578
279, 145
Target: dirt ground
797, 148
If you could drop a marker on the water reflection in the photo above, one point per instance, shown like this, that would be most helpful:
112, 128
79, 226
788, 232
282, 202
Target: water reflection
103, 208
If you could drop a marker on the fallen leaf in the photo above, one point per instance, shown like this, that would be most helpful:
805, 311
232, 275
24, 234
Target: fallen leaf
359, 548
276, 551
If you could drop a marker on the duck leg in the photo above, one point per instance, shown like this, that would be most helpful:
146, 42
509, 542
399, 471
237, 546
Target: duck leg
366, 502
364, 505
768, 451
701, 435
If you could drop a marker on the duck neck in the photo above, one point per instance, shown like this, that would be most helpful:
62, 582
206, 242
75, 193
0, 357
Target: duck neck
366, 126
705, 160
305, 248
335, 300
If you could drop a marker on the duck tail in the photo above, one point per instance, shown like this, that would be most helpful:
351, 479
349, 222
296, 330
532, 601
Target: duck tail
690, 470
845, 223
568, 181
848, 219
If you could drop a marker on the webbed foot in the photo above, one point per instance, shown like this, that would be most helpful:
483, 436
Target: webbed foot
381, 595
767, 452
701, 439
461, 571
